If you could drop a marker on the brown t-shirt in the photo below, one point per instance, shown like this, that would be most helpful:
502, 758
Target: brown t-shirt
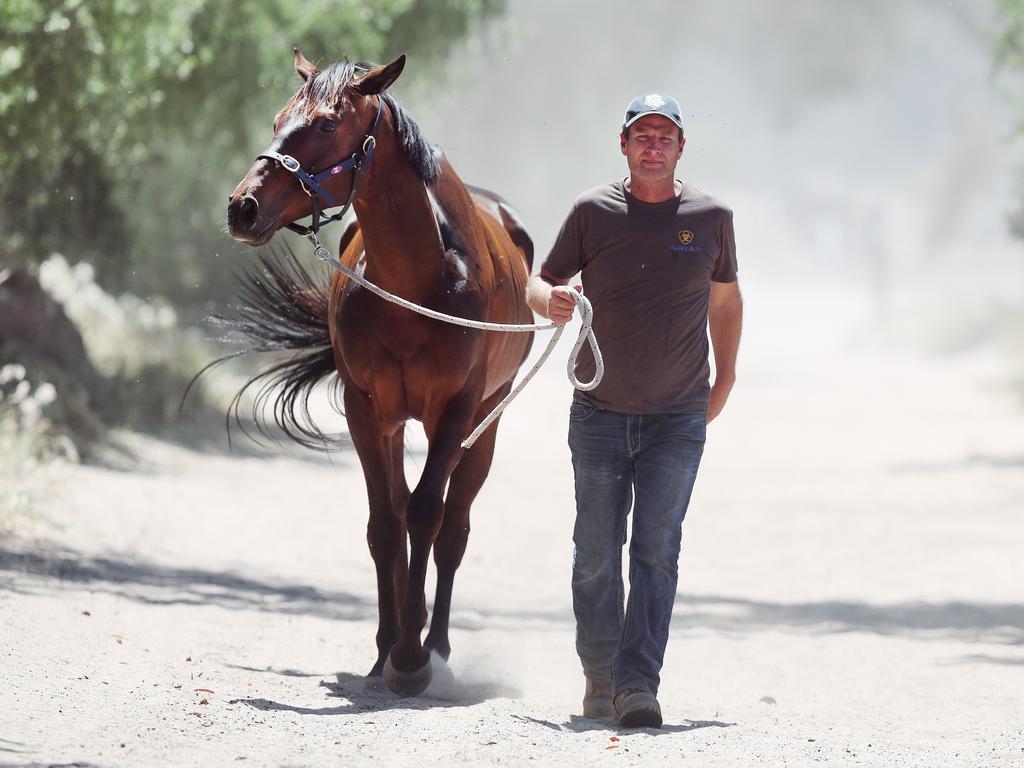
647, 270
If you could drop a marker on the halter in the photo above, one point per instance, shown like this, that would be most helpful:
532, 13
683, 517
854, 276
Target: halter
359, 161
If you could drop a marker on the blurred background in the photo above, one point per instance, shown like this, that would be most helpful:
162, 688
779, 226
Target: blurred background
870, 151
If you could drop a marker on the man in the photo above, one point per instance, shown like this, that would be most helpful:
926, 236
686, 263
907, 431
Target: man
658, 262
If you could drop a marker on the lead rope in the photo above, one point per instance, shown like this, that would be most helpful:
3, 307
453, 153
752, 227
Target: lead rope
586, 334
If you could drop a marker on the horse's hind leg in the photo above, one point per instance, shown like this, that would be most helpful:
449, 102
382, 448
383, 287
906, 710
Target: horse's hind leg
385, 531
450, 545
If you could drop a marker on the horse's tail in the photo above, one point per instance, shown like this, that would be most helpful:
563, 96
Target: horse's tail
283, 308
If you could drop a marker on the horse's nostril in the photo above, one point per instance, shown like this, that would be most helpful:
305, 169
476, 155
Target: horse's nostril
249, 207
246, 211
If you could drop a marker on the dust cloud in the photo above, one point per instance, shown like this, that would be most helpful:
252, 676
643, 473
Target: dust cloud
865, 148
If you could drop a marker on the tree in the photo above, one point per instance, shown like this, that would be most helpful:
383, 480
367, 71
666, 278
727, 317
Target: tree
1009, 58
123, 123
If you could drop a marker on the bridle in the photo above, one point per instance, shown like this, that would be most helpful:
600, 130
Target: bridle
311, 182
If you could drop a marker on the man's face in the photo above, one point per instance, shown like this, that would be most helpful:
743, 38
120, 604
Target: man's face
653, 148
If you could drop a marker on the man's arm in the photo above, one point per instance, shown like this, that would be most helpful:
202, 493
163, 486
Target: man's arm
548, 297
725, 319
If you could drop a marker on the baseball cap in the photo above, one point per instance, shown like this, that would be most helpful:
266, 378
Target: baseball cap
653, 104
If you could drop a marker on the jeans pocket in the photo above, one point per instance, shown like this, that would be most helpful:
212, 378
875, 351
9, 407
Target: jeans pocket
581, 410
693, 425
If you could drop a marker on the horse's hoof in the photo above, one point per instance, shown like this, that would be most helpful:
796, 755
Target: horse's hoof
407, 683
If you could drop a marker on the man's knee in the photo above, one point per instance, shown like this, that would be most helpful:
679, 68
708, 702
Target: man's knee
593, 564
658, 553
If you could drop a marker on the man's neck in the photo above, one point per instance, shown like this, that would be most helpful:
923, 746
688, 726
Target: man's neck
653, 192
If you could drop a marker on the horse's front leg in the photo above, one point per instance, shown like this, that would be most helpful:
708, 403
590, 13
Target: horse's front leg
407, 671
450, 545
377, 446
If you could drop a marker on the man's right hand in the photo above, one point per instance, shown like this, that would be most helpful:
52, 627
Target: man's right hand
561, 304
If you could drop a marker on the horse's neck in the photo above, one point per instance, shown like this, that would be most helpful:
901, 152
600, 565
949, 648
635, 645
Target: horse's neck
403, 245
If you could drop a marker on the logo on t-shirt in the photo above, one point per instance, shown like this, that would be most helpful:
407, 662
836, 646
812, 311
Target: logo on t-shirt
686, 240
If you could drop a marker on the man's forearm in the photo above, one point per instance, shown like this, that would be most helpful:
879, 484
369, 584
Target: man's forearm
538, 295
725, 323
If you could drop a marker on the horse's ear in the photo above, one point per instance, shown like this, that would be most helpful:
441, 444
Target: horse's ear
303, 66
380, 78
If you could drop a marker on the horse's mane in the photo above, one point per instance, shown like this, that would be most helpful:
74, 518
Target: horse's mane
323, 91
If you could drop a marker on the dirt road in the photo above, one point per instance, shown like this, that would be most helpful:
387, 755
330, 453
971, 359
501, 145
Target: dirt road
851, 592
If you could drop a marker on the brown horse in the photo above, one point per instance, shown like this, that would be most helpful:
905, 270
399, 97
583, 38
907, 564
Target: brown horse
421, 234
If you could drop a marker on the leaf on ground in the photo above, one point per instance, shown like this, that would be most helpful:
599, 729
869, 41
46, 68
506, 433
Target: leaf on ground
612, 746
204, 701
613, 738
204, 690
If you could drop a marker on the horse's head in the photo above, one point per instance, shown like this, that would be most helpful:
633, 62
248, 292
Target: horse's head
326, 121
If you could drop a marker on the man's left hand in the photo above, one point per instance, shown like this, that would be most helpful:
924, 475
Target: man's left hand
719, 394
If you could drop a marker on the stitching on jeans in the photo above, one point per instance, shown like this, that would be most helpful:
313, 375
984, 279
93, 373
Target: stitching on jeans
630, 449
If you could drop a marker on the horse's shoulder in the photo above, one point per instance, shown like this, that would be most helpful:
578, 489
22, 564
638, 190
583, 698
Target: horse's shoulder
507, 216
350, 252
493, 212
351, 230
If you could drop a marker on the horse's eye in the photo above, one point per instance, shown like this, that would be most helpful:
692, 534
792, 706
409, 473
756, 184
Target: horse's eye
326, 124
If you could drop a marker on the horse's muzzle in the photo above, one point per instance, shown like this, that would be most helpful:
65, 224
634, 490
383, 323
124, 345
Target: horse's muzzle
244, 221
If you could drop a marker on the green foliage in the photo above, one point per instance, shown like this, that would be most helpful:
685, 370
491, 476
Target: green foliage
1010, 42
1009, 60
125, 123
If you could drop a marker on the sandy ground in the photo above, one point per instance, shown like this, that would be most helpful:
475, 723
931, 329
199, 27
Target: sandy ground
851, 593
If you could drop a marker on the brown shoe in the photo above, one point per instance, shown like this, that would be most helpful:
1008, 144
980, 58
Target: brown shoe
597, 699
635, 708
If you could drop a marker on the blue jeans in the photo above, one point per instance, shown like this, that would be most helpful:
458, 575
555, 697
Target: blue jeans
650, 463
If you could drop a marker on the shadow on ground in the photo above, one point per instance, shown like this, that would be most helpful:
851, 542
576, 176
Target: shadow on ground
33, 571
359, 697
975, 622
984, 658
580, 724
28, 572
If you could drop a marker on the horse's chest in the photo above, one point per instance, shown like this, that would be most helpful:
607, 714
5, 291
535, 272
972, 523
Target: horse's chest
403, 359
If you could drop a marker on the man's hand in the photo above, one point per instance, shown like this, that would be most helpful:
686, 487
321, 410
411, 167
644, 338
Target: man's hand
719, 394
561, 304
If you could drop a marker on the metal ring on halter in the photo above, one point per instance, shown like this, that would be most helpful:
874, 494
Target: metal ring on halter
369, 143
290, 163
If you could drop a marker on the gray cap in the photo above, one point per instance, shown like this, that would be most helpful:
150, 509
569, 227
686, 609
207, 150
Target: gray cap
653, 104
